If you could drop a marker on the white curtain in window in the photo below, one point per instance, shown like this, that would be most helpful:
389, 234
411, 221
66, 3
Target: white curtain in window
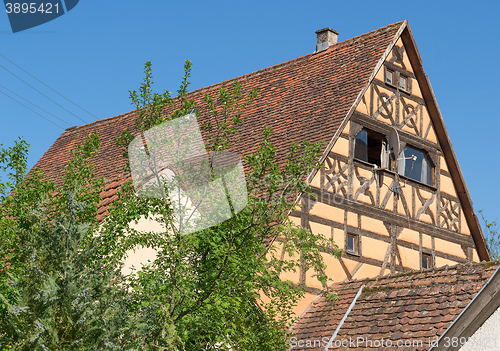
400, 159
423, 173
384, 155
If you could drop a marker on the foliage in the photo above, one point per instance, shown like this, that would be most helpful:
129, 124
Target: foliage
14, 160
221, 286
66, 300
217, 288
55, 292
492, 237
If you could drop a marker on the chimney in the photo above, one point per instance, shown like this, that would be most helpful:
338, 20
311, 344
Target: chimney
325, 38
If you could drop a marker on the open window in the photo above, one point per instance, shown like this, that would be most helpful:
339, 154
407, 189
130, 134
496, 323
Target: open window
415, 164
369, 146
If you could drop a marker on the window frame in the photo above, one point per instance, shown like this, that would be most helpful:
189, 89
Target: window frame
428, 258
380, 137
430, 162
356, 244
406, 79
396, 75
393, 74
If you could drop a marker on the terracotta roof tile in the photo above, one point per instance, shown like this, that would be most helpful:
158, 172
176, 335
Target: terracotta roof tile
303, 99
411, 306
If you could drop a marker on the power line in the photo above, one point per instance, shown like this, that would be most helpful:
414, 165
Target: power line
43, 94
35, 105
49, 87
32, 110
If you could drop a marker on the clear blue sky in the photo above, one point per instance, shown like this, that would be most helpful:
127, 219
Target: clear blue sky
95, 54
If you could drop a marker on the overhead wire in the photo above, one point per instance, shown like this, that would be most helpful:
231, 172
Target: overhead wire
43, 95
32, 110
35, 105
49, 87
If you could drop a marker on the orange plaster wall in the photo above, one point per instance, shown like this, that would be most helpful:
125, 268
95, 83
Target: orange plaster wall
449, 248
410, 258
295, 220
475, 257
443, 165
440, 262
141, 255
347, 128
408, 195
373, 225
352, 219
380, 74
341, 147
316, 181
333, 268
329, 212
406, 60
373, 248
311, 280
426, 241
303, 304
367, 271
464, 226
350, 264
410, 236
425, 217
318, 228
447, 186
362, 107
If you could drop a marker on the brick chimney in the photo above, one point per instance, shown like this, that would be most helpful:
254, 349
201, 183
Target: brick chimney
325, 37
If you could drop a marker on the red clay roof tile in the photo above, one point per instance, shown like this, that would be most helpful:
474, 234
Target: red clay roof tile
303, 99
422, 307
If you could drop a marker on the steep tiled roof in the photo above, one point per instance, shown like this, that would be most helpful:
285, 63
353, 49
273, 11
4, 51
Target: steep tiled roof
410, 307
303, 99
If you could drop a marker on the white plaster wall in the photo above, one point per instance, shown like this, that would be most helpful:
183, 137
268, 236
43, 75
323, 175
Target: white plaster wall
487, 337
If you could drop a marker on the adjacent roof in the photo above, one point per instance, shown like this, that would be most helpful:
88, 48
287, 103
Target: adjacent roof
410, 307
303, 99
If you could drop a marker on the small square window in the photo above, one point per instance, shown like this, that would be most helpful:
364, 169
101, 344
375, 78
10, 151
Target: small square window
426, 261
389, 77
353, 244
403, 83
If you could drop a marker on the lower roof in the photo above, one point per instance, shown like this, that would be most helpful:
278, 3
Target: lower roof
412, 308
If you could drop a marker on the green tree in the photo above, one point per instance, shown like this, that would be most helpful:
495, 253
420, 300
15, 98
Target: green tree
56, 293
216, 288
66, 300
221, 286
492, 236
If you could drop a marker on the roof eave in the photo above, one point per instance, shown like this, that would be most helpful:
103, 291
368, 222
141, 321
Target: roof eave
444, 139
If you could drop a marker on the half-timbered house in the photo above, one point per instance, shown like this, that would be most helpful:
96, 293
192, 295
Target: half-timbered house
391, 192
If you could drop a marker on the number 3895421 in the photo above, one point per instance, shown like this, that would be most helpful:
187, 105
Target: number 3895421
31, 7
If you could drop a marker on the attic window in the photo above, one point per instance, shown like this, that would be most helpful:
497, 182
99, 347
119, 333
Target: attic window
352, 244
403, 83
368, 146
426, 261
389, 76
415, 164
